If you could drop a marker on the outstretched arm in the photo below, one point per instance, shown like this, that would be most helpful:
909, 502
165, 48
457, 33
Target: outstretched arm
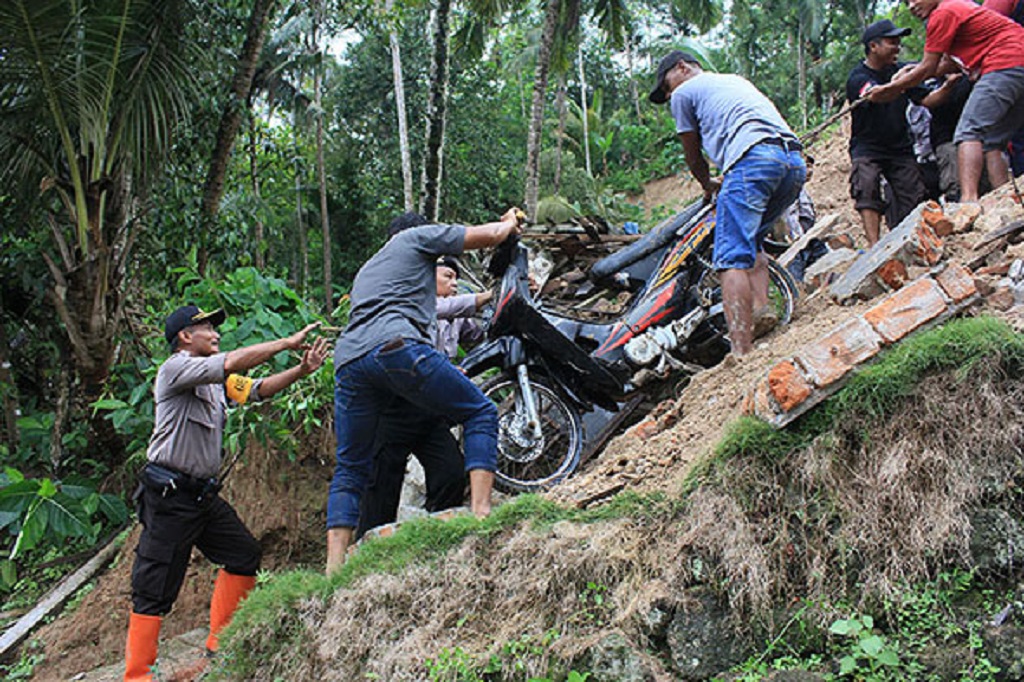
905, 79
492, 234
312, 360
241, 360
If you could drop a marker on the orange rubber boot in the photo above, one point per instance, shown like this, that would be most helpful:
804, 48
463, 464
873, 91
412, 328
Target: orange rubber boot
228, 591
140, 649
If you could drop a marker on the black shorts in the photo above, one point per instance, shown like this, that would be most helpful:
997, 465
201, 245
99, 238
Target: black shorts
171, 526
904, 179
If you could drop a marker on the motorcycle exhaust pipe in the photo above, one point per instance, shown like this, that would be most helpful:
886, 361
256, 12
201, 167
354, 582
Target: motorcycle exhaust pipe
532, 418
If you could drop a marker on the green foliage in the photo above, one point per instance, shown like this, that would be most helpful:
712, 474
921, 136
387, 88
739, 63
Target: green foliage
869, 653
24, 667
43, 512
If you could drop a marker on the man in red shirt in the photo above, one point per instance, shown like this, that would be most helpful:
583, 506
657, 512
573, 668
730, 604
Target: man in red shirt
990, 47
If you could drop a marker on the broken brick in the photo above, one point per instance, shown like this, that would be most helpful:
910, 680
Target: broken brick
927, 245
937, 220
787, 385
645, 429
831, 357
999, 269
893, 273
907, 309
957, 281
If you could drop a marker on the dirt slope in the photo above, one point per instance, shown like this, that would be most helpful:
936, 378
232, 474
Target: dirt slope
283, 501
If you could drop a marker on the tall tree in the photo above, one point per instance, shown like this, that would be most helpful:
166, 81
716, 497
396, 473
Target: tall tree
230, 122
90, 92
403, 120
437, 111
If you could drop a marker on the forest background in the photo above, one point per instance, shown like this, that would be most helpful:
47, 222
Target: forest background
249, 154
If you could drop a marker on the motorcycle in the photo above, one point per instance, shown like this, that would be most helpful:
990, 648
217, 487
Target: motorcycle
564, 384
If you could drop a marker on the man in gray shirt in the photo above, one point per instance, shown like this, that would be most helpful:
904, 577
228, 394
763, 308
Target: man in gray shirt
178, 502
762, 173
387, 351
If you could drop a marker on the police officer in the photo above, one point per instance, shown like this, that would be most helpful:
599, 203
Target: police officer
178, 504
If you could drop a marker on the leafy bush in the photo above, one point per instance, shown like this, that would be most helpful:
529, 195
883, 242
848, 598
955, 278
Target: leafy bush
42, 512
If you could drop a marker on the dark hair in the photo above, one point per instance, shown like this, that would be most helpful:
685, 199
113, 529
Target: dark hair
405, 221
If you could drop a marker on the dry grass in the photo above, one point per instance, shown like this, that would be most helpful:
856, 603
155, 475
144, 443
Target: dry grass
871, 502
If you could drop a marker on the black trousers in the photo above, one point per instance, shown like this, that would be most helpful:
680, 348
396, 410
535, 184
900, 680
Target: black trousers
406, 430
171, 527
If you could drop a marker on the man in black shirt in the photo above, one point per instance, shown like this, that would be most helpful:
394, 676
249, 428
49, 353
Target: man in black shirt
880, 143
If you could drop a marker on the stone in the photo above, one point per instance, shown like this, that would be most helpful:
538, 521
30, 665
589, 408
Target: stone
831, 357
964, 217
996, 539
1002, 297
1004, 646
614, 659
701, 640
906, 310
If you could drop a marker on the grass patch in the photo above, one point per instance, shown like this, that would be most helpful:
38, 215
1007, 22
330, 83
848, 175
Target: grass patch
866, 493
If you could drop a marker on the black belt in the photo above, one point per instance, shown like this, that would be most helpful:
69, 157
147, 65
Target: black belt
167, 481
787, 143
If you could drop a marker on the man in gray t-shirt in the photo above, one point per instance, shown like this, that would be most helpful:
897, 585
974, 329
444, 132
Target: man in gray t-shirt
762, 173
386, 351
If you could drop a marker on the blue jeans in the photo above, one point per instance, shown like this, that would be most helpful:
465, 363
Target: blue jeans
365, 387
755, 192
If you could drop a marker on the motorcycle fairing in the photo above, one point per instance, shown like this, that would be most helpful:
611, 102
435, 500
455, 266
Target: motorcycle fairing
652, 241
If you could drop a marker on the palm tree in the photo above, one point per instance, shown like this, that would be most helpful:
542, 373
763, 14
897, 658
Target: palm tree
90, 92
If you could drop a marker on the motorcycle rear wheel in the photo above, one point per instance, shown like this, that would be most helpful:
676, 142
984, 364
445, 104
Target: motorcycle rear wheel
783, 293
526, 464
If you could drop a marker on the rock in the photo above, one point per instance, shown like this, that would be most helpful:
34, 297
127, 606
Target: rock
996, 541
1005, 648
945, 661
701, 639
614, 659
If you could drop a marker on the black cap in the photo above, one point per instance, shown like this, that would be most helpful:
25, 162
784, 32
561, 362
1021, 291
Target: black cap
449, 262
883, 29
667, 63
188, 315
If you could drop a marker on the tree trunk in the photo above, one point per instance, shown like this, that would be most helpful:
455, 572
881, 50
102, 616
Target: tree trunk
254, 179
563, 113
403, 119
633, 90
8, 394
321, 173
583, 108
540, 86
437, 113
230, 122
801, 70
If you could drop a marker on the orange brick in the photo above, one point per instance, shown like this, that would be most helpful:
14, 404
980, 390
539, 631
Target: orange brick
905, 310
929, 246
830, 358
893, 273
937, 220
645, 429
957, 281
999, 269
787, 385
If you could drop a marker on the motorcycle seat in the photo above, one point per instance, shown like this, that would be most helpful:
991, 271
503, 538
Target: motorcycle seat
654, 240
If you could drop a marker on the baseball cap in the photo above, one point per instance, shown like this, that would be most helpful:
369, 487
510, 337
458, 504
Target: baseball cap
449, 262
667, 63
188, 315
883, 29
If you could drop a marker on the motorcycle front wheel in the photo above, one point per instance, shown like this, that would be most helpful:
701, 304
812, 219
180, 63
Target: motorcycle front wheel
527, 463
